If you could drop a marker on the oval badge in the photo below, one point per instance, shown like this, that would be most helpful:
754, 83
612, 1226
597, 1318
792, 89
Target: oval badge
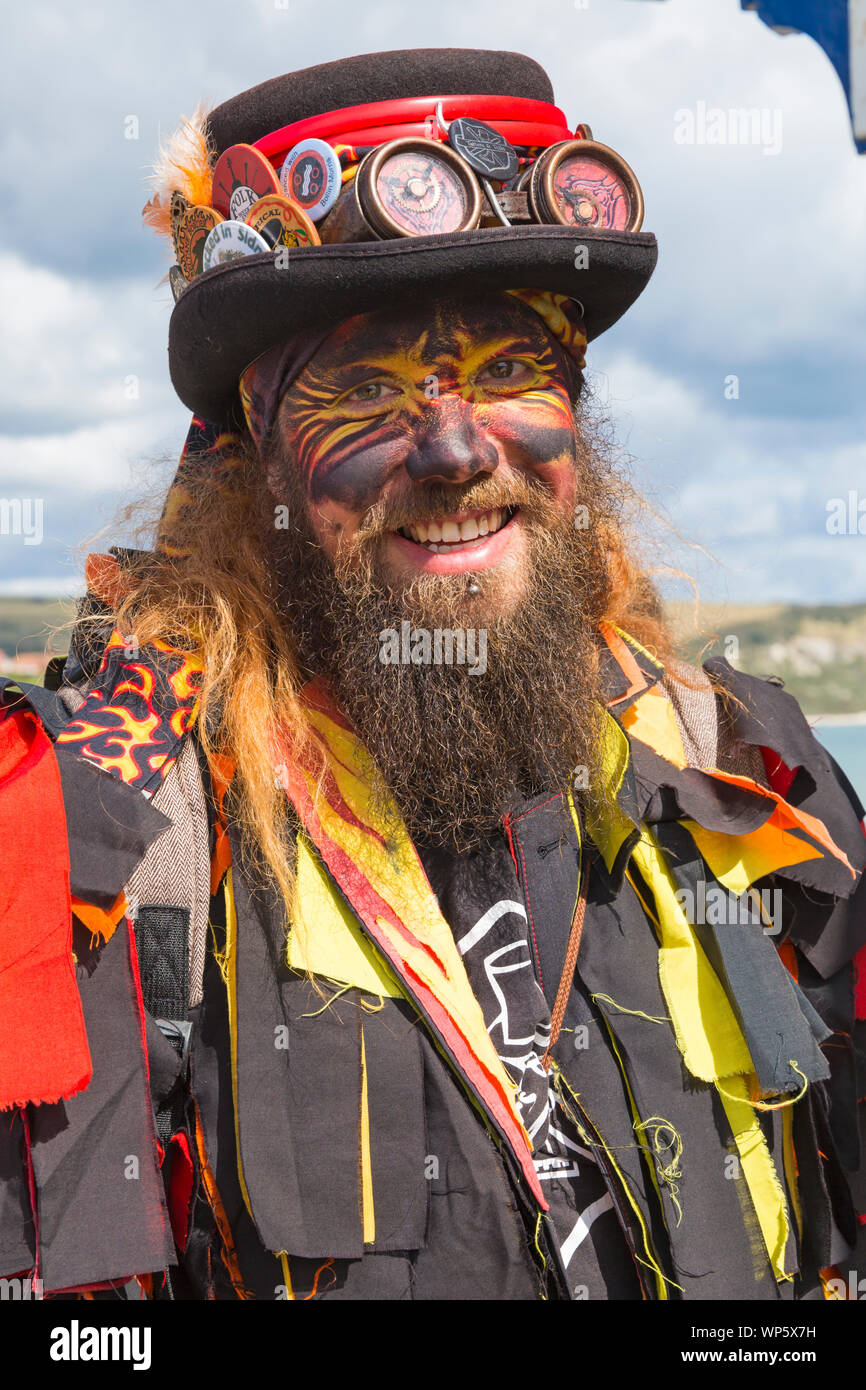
193, 230
282, 223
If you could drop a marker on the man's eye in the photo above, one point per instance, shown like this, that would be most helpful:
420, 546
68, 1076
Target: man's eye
370, 391
512, 370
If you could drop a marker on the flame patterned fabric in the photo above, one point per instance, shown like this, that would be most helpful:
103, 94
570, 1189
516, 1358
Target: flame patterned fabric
133, 721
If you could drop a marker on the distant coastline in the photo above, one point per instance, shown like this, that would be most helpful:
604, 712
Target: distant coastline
837, 721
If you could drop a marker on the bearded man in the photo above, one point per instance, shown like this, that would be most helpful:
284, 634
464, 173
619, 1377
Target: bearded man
437, 933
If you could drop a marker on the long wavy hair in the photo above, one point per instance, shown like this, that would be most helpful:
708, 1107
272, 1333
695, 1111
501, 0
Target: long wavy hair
206, 586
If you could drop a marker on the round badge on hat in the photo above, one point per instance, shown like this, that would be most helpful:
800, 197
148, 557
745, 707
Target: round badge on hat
241, 167
281, 222
229, 241
193, 231
486, 151
311, 177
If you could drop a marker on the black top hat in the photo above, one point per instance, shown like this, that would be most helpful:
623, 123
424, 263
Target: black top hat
235, 311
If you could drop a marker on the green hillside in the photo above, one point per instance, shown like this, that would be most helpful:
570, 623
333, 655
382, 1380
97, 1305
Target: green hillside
818, 651
25, 628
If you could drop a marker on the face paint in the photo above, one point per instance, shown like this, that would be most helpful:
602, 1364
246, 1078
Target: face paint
387, 399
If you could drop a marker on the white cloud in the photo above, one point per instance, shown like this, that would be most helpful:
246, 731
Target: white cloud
84, 351
97, 458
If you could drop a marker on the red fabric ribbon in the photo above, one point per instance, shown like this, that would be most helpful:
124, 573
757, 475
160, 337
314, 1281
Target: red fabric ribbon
44, 1055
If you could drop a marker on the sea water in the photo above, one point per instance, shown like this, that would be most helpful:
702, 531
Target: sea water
847, 743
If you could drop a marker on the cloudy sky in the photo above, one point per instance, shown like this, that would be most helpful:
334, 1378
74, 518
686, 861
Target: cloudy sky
736, 383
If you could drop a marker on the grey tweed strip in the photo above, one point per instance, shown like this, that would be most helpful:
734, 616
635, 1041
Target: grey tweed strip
175, 872
707, 741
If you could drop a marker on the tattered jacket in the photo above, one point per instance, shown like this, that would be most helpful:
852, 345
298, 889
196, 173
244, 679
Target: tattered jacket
193, 1098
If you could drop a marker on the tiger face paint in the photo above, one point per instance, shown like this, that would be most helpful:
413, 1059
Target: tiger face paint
427, 430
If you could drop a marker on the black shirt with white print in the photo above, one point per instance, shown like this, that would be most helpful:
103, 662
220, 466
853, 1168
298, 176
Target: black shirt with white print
482, 901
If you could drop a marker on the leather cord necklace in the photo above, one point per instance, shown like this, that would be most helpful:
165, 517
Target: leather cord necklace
567, 977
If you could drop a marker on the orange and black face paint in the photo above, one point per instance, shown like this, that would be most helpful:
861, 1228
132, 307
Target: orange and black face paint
444, 399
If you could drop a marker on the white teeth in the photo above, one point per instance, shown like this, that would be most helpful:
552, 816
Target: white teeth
441, 535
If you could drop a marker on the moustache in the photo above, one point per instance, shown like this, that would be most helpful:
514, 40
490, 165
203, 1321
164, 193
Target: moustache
534, 499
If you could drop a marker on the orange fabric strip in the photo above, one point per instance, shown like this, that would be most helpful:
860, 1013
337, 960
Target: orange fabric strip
97, 920
624, 658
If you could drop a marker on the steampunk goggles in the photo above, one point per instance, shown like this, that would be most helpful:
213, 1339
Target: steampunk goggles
419, 186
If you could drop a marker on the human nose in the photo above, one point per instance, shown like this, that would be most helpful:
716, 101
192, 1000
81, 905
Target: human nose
451, 447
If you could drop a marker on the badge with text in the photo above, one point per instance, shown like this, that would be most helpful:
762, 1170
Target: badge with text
311, 177
241, 201
281, 222
241, 167
195, 227
231, 241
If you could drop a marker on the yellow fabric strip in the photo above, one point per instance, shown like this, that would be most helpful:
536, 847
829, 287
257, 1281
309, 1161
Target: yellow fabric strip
287, 1278
652, 720
606, 824
636, 646
231, 980
367, 1209
707, 1032
326, 939
790, 1161
710, 1039
761, 1177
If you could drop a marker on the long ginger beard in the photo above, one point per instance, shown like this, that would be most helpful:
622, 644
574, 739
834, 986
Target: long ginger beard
456, 745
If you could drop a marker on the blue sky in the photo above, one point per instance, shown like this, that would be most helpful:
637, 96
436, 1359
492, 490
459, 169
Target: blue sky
761, 275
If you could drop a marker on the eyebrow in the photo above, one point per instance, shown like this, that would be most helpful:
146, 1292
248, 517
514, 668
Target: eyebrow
343, 376
348, 374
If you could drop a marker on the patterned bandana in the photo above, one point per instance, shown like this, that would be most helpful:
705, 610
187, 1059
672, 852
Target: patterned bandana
265, 381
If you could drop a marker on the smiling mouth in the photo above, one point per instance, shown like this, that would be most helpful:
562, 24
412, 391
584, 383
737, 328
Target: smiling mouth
447, 534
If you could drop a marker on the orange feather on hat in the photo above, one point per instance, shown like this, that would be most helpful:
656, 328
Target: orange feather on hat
185, 163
